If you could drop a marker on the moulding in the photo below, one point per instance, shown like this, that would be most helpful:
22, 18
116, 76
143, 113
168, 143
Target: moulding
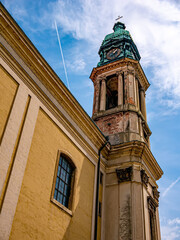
141, 152
118, 64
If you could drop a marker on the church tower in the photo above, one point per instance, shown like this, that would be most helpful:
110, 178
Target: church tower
119, 110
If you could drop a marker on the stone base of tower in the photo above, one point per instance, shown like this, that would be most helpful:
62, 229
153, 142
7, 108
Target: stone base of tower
131, 196
121, 127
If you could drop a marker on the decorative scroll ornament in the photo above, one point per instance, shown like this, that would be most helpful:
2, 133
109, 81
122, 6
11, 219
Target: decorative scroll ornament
125, 174
155, 193
144, 178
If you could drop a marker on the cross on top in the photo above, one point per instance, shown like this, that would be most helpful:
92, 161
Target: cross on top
118, 18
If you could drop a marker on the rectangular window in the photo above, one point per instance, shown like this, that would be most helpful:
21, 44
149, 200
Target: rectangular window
63, 181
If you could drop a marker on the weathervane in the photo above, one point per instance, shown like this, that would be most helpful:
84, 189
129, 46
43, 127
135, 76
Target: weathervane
118, 18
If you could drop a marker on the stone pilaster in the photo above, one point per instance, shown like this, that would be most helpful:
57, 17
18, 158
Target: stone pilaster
131, 87
137, 93
103, 95
126, 87
96, 96
120, 88
143, 103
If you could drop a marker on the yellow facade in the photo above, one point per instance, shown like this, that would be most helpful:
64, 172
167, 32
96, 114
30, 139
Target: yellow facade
36, 216
8, 88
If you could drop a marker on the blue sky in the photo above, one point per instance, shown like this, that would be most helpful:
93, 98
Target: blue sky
155, 28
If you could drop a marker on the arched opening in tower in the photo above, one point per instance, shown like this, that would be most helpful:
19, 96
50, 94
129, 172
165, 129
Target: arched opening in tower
112, 92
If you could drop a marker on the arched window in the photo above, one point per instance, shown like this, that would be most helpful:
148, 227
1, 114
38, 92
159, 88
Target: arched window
64, 180
112, 92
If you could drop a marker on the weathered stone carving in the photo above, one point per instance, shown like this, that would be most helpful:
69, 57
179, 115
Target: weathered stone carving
120, 72
125, 231
144, 177
155, 193
124, 174
130, 71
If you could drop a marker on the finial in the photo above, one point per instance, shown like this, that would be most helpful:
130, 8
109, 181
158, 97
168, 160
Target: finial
119, 17
118, 25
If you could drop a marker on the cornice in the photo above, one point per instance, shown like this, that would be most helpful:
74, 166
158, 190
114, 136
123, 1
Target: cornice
24, 48
139, 150
121, 63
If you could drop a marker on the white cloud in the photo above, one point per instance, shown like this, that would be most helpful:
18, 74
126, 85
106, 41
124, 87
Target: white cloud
154, 25
174, 221
170, 229
17, 8
170, 232
76, 65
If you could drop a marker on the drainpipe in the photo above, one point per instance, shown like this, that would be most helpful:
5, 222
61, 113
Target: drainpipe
97, 189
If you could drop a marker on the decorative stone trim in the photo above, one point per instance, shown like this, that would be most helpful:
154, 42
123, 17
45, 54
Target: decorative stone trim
144, 178
130, 71
156, 193
152, 204
100, 78
125, 174
120, 72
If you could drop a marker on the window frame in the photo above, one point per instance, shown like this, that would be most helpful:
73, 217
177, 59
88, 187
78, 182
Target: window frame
70, 201
152, 205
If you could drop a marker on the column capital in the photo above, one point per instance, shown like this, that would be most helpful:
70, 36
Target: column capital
144, 178
124, 175
155, 193
120, 72
136, 76
101, 77
142, 89
130, 71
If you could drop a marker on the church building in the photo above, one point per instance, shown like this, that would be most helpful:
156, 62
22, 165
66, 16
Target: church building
65, 175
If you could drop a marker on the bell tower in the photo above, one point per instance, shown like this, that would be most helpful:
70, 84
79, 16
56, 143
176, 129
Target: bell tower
119, 89
119, 110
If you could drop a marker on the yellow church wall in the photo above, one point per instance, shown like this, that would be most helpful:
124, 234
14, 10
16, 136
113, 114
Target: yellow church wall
8, 89
37, 217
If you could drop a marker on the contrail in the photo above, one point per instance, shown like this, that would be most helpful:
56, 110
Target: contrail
60, 47
169, 188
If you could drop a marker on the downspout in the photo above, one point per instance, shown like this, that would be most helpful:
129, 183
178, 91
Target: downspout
97, 189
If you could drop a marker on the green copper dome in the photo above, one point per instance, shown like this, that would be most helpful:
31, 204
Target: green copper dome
117, 45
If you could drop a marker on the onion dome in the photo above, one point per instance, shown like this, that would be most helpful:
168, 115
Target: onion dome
118, 45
